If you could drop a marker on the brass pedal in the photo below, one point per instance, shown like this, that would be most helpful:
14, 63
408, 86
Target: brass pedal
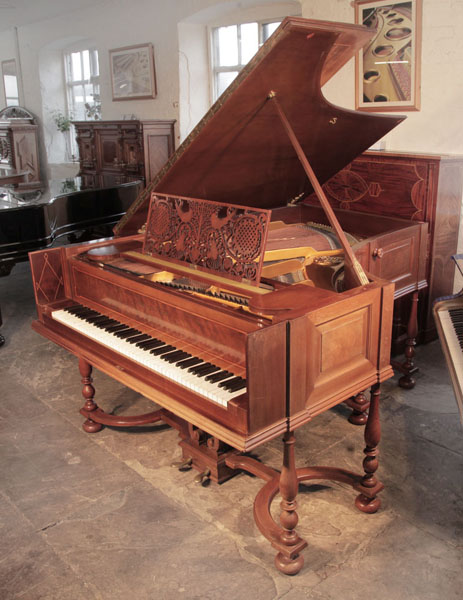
203, 478
183, 465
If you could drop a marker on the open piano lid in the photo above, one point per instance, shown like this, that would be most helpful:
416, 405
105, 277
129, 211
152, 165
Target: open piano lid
240, 153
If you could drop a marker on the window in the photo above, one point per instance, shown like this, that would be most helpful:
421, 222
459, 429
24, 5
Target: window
10, 82
233, 47
83, 84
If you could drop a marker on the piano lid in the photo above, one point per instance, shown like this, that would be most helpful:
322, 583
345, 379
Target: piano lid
240, 153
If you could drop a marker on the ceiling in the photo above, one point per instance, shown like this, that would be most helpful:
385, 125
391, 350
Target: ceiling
16, 13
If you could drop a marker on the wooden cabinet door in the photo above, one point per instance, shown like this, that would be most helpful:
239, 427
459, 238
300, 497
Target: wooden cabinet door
109, 149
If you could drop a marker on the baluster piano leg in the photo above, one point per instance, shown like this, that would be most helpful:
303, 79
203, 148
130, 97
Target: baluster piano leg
359, 405
287, 562
370, 503
408, 367
88, 392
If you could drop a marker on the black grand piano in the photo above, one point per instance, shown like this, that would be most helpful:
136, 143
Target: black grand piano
35, 218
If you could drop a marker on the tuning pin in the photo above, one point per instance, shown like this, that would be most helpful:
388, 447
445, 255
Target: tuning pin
203, 477
183, 465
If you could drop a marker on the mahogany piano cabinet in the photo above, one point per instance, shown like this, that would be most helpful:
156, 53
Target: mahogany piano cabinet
180, 305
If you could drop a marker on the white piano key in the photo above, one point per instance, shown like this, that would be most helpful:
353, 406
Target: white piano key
189, 380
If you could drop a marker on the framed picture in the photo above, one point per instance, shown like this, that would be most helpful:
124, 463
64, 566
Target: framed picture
388, 68
132, 72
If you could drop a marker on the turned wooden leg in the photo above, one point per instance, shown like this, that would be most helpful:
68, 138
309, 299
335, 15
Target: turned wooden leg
88, 392
359, 405
371, 503
289, 563
408, 367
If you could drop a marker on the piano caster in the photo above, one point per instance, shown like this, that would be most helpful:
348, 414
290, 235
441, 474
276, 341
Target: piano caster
183, 465
203, 478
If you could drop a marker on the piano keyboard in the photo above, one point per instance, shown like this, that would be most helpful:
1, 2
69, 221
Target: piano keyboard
192, 372
452, 324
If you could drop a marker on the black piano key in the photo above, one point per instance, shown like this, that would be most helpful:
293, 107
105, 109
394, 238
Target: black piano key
189, 362
85, 314
114, 328
198, 368
229, 383
162, 349
152, 343
172, 357
220, 376
138, 338
127, 333
108, 323
74, 309
119, 330
211, 369
96, 319
239, 385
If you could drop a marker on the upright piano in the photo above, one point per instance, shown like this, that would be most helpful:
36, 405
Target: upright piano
202, 302
448, 314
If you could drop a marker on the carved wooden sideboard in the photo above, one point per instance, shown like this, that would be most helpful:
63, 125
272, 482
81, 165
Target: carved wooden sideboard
115, 152
419, 187
19, 153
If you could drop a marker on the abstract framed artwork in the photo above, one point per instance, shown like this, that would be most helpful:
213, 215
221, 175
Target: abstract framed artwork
388, 68
133, 75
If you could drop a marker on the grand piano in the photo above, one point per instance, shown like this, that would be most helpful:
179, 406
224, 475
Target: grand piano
189, 306
36, 216
33, 218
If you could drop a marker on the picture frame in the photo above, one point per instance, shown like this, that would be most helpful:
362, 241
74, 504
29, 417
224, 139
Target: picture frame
133, 75
388, 68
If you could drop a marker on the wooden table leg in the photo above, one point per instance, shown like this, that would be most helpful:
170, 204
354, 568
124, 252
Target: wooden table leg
370, 504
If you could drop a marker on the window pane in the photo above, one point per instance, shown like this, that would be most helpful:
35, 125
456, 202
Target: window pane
11, 86
76, 67
227, 39
78, 94
86, 61
95, 70
12, 101
224, 80
268, 29
88, 93
249, 41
